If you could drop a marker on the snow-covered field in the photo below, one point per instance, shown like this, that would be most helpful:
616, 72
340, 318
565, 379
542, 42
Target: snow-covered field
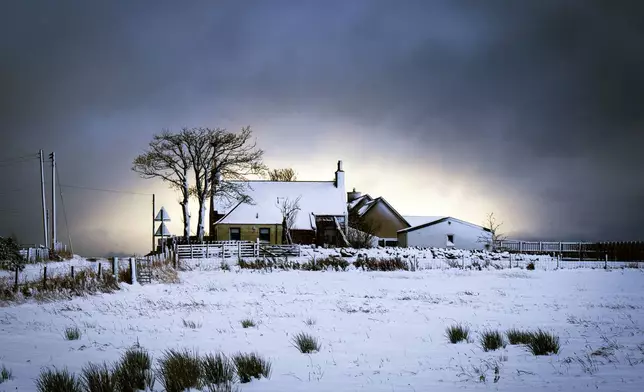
380, 331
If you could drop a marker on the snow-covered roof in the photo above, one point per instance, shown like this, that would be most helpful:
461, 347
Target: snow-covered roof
421, 220
432, 220
357, 201
316, 198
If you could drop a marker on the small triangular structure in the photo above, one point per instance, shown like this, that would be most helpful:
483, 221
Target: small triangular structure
162, 216
162, 231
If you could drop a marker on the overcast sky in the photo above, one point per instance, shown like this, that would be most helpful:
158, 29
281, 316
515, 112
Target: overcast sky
531, 109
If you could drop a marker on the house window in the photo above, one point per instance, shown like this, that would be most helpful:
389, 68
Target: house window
265, 234
450, 240
235, 234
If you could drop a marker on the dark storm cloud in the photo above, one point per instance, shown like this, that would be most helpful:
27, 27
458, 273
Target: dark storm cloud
541, 98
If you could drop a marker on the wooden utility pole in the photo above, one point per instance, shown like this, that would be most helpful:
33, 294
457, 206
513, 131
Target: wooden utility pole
52, 157
44, 201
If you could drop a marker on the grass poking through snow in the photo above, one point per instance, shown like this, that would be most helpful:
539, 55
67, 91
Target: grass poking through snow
180, 370
218, 372
134, 371
306, 343
5, 374
53, 380
517, 336
492, 340
98, 378
543, 343
191, 324
248, 323
457, 333
72, 333
251, 366
310, 321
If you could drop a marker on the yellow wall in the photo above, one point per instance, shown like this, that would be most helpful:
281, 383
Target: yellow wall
248, 234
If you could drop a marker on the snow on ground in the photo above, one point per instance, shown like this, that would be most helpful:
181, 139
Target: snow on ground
380, 331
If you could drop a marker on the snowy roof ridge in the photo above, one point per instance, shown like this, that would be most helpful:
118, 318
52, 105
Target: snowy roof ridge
436, 221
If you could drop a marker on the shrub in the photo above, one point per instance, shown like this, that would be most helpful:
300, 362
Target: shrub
10, 257
530, 266
322, 264
492, 340
457, 333
247, 323
98, 378
72, 333
134, 371
249, 366
191, 324
516, 336
543, 343
5, 374
58, 381
224, 266
180, 370
217, 371
306, 343
374, 264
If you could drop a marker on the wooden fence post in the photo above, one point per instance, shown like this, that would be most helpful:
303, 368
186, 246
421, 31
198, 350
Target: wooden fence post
115, 268
15, 283
72, 272
191, 252
239, 251
99, 269
44, 278
606, 262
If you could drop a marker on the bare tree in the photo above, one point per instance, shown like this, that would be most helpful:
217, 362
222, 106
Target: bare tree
167, 158
289, 209
495, 234
362, 232
219, 154
286, 174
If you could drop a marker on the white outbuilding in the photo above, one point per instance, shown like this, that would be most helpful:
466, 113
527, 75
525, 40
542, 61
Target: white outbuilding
444, 232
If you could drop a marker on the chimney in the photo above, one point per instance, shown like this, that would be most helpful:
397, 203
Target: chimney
351, 196
339, 176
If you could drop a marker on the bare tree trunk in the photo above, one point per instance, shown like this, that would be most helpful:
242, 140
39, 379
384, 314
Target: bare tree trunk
202, 209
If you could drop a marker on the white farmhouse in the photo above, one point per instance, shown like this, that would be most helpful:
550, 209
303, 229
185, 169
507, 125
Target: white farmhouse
443, 232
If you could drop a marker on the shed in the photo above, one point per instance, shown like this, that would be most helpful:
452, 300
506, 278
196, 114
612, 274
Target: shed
445, 232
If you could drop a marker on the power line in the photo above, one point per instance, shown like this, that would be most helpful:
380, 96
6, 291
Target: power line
12, 163
22, 157
14, 190
104, 190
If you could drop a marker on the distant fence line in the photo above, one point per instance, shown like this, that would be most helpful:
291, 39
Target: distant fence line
33, 253
235, 249
612, 251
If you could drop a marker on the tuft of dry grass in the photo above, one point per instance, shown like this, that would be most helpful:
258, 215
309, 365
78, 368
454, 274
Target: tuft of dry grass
251, 366
306, 343
72, 333
492, 340
248, 323
457, 333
